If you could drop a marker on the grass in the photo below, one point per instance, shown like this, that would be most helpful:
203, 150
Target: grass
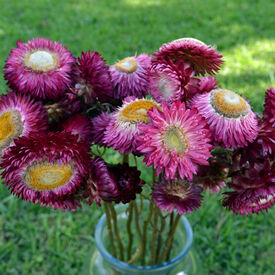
36, 240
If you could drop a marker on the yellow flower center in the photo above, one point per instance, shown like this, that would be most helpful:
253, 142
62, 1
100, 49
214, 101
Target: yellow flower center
136, 111
41, 60
11, 127
229, 104
127, 65
46, 176
174, 138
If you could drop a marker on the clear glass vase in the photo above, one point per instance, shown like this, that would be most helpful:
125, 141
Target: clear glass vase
100, 262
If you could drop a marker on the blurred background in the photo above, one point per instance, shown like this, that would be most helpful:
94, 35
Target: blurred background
35, 240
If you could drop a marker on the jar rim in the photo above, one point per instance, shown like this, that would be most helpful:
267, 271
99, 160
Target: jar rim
158, 267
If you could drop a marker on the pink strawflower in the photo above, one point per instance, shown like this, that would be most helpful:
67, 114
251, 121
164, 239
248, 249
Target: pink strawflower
41, 68
269, 106
130, 76
81, 126
99, 126
202, 58
183, 196
169, 82
254, 189
229, 117
123, 127
19, 116
45, 167
93, 78
118, 183
176, 141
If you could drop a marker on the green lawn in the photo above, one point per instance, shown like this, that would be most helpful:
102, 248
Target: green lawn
36, 240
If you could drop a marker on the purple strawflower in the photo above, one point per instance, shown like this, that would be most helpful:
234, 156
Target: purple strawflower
170, 195
130, 76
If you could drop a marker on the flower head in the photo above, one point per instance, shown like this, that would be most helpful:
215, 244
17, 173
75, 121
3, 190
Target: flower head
130, 76
229, 117
254, 189
123, 127
46, 166
176, 141
81, 126
183, 196
40, 68
202, 58
169, 82
119, 183
19, 116
93, 78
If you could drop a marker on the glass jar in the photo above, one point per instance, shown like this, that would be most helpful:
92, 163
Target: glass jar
101, 262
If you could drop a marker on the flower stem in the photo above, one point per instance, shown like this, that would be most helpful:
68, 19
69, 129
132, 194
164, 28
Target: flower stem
159, 237
109, 226
129, 230
169, 241
154, 237
118, 239
139, 249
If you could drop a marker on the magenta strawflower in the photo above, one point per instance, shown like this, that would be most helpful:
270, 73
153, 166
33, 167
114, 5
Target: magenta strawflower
229, 117
99, 126
269, 106
93, 78
130, 76
202, 58
170, 195
169, 82
123, 127
118, 183
176, 141
40, 68
46, 166
19, 116
79, 125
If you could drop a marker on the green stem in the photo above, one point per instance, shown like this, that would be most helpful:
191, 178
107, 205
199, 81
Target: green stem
145, 226
109, 226
154, 237
159, 237
120, 245
129, 230
169, 241
139, 249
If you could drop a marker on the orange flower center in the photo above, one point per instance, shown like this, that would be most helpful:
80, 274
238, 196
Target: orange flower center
41, 60
11, 127
136, 111
127, 65
229, 104
47, 176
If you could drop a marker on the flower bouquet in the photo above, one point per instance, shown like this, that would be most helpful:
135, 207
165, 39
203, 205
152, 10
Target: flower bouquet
62, 114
